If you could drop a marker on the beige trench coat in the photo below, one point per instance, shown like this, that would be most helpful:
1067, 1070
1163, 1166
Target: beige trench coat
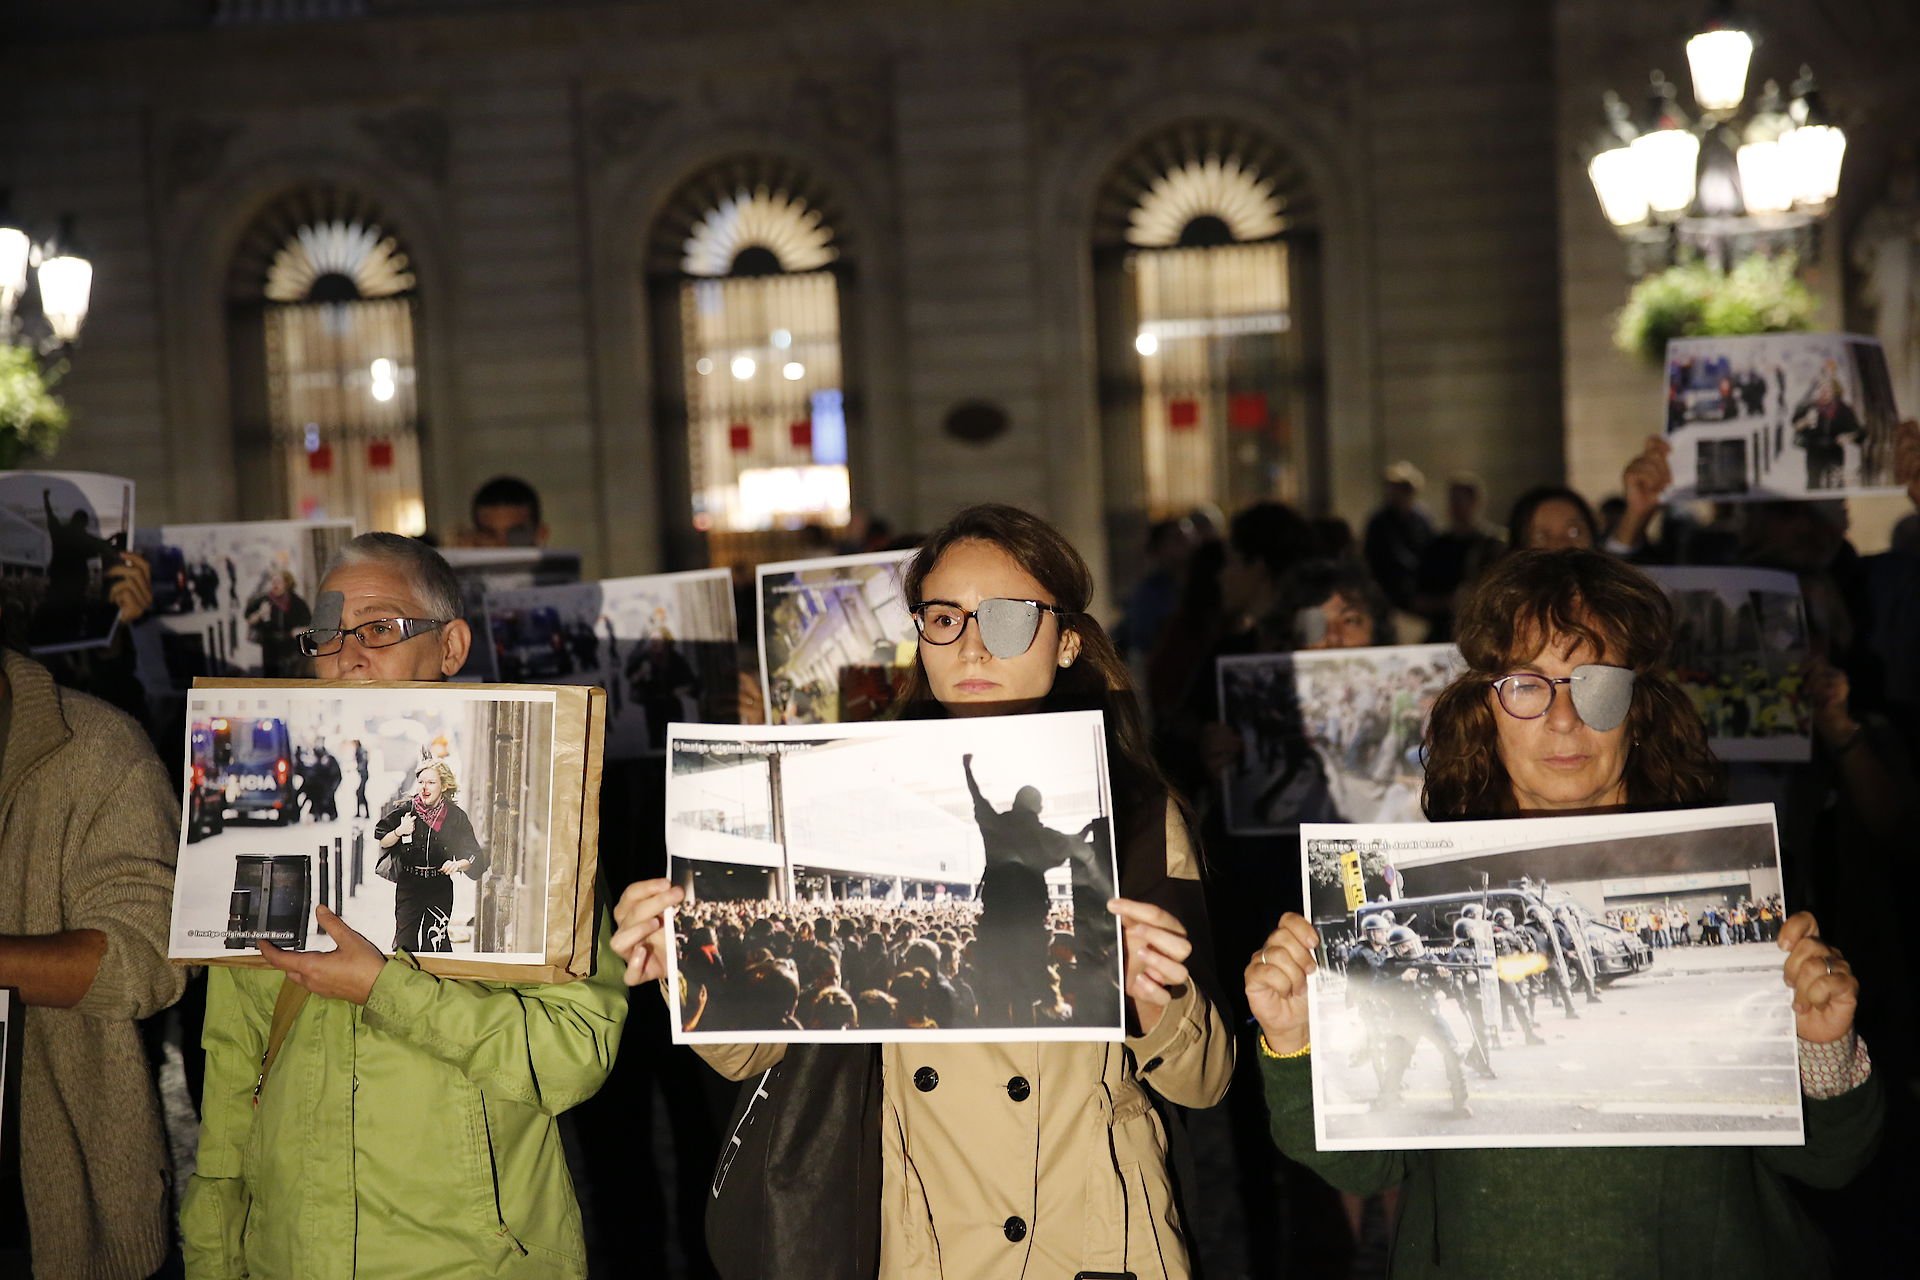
967, 1131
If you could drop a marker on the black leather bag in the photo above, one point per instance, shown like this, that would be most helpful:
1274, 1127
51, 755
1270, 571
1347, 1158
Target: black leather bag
796, 1191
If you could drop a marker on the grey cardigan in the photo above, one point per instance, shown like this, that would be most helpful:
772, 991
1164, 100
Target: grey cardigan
88, 834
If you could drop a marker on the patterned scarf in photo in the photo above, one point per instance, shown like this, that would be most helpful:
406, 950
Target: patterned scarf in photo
434, 816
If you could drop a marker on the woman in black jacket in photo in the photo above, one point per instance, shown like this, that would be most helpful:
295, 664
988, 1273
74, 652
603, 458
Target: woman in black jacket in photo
425, 841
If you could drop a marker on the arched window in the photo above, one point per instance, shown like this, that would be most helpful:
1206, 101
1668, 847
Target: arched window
1206, 259
746, 284
326, 414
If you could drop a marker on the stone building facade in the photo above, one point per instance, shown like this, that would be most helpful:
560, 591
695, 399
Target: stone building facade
532, 159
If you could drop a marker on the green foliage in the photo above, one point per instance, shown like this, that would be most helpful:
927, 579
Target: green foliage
1694, 299
32, 419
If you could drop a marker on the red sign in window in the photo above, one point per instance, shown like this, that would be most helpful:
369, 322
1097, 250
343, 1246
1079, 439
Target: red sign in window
1247, 410
380, 455
739, 437
1183, 414
801, 433
320, 459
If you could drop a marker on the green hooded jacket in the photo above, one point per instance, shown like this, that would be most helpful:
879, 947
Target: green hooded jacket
413, 1137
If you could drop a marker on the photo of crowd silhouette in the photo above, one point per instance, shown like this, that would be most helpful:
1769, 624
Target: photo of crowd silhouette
61, 535
902, 880
1740, 650
1328, 735
835, 637
1581, 981
663, 647
229, 599
1779, 415
421, 817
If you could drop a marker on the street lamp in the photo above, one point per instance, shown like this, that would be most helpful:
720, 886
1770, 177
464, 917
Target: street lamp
1717, 184
48, 273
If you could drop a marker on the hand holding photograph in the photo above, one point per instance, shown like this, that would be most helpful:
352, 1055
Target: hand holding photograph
228, 599
1779, 415
63, 537
468, 842
900, 880
1584, 981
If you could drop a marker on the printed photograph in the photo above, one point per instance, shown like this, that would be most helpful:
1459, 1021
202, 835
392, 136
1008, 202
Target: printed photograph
482, 570
422, 816
664, 648
61, 533
1330, 735
835, 637
901, 880
229, 599
1780, 415
1585, 981
1740, 650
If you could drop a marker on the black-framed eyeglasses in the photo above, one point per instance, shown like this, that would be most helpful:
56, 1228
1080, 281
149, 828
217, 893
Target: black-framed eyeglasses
1007, 627
374, 633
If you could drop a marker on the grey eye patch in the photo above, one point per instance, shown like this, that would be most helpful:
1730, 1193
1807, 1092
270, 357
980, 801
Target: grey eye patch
1602, 695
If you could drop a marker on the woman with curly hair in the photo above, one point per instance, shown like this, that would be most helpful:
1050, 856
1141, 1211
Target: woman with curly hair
1565, 708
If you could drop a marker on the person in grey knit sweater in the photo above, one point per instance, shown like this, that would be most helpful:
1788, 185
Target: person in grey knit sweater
88, 834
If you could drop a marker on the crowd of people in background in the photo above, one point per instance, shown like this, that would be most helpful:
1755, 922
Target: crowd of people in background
866, 965
1718, 924
1268, 579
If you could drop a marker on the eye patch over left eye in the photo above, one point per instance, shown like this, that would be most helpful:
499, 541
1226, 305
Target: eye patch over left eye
1602, 695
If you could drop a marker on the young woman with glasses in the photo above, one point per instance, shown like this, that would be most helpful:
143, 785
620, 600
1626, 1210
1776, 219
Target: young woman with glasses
1567, 707
1032, 1159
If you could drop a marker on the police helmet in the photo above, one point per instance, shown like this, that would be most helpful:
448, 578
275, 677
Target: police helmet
1503, 917
1404, 941
1372, 924
1463, 929
1471, 911
1388, 913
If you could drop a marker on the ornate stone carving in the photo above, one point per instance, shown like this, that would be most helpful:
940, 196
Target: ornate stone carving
620, 120
415, 138
195, 150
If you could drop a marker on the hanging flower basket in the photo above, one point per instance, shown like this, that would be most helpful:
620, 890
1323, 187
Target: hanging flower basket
1694, 299
32, 419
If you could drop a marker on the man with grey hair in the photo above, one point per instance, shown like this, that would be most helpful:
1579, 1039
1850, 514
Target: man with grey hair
407, 1124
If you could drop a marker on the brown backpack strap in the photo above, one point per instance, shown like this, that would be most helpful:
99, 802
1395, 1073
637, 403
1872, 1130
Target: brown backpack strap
286, 1007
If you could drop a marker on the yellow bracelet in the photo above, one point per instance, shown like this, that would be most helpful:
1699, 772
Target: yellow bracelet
1266, 1050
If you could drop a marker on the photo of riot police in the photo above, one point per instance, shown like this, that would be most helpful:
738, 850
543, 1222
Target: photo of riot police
443, 848
902, 880
230, 599
63, 535
1479, 994
1740, 650
664, 648
1780, 415
1328, 735
835, 637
